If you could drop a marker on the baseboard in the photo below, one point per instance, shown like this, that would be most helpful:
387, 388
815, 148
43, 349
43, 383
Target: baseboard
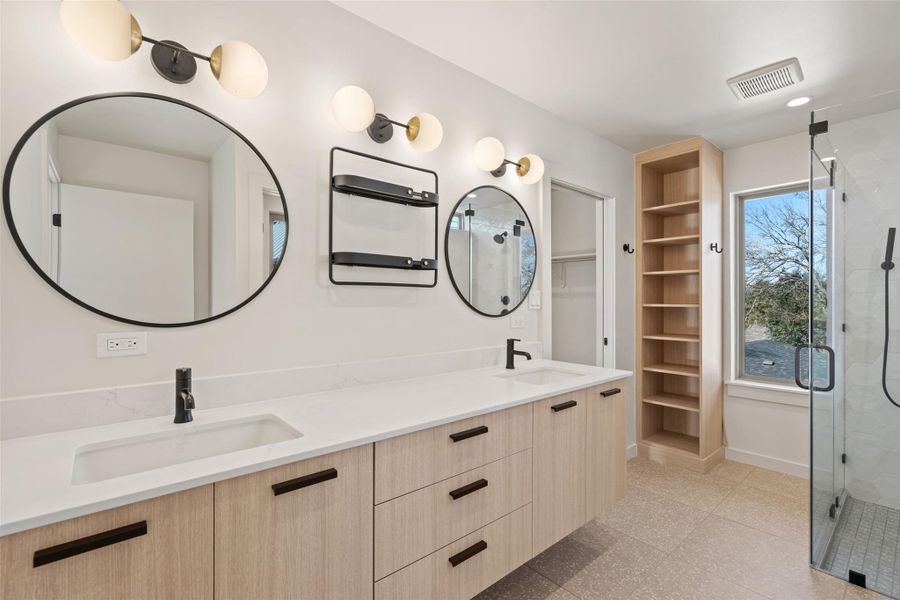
767, 462
631, 452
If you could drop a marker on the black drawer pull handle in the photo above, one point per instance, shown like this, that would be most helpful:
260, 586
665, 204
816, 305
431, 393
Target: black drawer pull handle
464, 435
305, 481
86, 544
563, 405
468, 553
610, 392
468, 489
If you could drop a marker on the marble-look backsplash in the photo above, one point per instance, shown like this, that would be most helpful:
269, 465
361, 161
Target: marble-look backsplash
35, 415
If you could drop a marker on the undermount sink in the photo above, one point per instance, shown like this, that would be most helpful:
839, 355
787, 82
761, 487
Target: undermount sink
115, 458
546, 376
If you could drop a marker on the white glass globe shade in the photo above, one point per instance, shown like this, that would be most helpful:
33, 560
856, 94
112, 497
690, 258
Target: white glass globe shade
240, 69
429, 132
353, 108
489, 153
535, 169
103, 28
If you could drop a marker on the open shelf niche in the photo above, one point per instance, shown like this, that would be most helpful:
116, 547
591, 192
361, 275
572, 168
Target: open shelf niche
678, 381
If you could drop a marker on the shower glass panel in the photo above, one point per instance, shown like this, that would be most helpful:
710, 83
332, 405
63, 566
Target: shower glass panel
853, 346
825, 322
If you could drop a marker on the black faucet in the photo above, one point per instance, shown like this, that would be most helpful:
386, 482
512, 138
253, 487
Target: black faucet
511, 352
184, 399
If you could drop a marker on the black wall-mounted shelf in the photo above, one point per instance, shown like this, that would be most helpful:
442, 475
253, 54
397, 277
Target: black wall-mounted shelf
381, 190
364, 187
382, 261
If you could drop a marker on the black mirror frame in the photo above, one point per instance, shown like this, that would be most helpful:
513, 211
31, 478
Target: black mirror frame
7, 208
447, 252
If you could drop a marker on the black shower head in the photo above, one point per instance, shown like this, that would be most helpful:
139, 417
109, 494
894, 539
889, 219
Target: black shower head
501, 237
888, 263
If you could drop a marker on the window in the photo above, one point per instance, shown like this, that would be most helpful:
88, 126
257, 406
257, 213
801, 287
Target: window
279, 232
773, 288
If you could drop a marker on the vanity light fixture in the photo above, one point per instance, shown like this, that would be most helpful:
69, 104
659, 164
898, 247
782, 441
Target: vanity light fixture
490, 155
354, 110
106, 29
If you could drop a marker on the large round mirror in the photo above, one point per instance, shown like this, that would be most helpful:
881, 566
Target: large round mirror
491, 251
145, 209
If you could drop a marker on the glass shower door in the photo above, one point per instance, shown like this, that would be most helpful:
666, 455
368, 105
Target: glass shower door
824, 352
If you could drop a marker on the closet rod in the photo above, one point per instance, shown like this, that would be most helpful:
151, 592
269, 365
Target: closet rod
573, 258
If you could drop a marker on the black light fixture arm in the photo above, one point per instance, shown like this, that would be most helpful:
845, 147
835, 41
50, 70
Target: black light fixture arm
177, 49
501, 170
382, 128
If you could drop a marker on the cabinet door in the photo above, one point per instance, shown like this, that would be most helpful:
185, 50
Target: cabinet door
559, 467
607, 417
301, 531
159, 548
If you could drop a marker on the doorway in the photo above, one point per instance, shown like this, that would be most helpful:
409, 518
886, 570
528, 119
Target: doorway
577, 253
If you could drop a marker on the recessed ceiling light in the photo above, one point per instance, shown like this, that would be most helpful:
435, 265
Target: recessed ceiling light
799, 101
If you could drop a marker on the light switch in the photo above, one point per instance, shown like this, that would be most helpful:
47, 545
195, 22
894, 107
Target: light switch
123, 343
534, 300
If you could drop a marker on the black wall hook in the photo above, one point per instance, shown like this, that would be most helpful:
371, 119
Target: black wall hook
715, 248
627, 248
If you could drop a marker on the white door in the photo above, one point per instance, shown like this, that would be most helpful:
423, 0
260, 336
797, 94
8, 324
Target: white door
127, 254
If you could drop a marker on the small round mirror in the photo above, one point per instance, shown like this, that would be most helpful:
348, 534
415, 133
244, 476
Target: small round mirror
491, 251
145, 209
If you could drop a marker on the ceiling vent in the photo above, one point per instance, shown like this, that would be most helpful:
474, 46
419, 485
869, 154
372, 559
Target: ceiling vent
766, 79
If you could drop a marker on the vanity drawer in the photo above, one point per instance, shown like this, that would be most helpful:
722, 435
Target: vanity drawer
460, 570
416, 524
159, 548
416, 460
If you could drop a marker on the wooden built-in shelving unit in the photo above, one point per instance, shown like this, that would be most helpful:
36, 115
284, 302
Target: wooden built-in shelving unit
678, 383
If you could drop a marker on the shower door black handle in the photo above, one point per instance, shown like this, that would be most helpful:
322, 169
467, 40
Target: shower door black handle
831, 362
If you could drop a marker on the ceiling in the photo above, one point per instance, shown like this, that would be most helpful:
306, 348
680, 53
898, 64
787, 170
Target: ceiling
643, 74
146, 124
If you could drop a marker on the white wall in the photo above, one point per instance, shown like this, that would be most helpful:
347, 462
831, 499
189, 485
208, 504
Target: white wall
311, 49
769, 426
764, 425
96, 164
869, 149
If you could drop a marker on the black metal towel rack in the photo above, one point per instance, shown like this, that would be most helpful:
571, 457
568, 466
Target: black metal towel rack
384, 191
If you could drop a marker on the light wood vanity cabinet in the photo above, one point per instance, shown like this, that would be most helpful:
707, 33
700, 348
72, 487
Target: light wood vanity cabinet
300, 531
159, 548
607, 415
579, 459
559, 467
439, 513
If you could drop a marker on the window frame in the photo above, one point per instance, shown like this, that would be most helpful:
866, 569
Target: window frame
741, 198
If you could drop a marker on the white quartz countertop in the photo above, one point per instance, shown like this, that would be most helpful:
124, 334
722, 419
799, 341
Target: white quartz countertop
36, 472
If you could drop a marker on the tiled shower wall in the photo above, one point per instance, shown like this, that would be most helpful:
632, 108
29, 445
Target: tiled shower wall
869, 148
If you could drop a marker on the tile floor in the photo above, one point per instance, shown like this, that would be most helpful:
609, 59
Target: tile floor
735, 533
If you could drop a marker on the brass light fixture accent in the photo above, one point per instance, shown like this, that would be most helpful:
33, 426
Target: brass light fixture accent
106, 29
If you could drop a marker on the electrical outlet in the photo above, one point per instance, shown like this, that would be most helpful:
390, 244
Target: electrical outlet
517, 321
124, 343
